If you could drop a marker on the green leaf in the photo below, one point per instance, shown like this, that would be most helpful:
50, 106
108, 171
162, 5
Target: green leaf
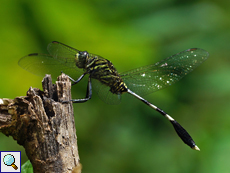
27, 167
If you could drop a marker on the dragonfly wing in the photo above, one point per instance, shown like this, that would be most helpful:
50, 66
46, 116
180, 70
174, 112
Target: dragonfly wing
148, 79
41, 64
104, 93
61, 59
61, 51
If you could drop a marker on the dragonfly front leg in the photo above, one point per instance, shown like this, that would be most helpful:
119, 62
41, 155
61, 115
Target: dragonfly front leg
75, 81
88, 93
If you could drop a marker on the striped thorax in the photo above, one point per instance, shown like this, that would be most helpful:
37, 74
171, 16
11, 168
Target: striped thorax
102, 70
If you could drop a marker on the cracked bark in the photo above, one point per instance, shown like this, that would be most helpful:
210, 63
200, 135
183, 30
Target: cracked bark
44, 126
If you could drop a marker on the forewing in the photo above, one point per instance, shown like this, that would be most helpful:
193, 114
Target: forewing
148, 79
41, 64
61, 59
61, 51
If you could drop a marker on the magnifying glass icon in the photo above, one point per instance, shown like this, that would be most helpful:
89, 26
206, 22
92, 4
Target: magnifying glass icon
9, 160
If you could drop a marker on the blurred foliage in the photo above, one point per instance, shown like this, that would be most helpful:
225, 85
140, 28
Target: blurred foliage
131, 137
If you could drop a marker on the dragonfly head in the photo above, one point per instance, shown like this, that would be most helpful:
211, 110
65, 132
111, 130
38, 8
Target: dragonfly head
81, 59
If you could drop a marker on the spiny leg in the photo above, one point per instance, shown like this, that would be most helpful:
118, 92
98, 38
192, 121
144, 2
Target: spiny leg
182, 133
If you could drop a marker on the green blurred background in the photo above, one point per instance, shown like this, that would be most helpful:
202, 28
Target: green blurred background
131, 137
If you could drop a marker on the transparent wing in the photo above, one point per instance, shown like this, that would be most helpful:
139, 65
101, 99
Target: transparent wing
61, 51
61, 59
148, 79
104, 93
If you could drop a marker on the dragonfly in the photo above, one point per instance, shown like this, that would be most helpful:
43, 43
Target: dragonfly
108, 83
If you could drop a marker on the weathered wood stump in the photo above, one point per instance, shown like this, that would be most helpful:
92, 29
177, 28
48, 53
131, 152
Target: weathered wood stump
44, 126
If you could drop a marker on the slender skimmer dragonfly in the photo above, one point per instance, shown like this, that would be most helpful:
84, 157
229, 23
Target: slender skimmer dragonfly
108, 83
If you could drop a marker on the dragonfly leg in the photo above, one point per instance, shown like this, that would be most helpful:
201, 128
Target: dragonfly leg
181, 132
88, 94
78, 80
75, 81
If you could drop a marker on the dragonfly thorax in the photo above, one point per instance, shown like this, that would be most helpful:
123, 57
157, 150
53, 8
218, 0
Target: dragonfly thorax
103, 70
81, 59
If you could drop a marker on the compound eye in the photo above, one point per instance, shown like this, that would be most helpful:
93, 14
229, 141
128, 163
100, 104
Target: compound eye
81, 58
83, 54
